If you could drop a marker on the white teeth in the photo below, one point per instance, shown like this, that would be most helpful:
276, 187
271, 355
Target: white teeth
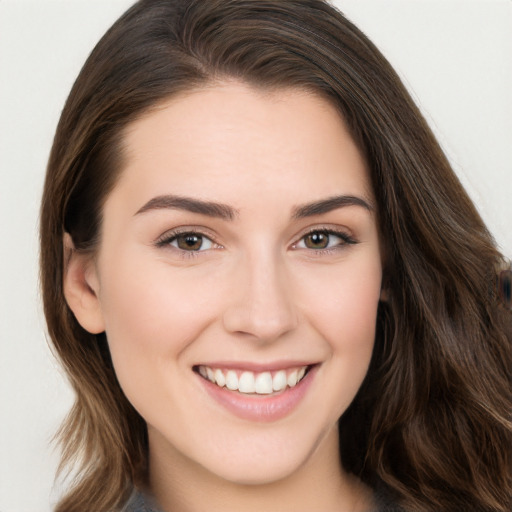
246, 383
263, 383
249, 382
292, 378
231, 380
279, 380
219, 378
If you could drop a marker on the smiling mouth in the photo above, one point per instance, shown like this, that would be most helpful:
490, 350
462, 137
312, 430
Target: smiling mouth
248, 382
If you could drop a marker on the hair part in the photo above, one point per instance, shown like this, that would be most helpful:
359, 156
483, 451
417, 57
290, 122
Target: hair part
431, 423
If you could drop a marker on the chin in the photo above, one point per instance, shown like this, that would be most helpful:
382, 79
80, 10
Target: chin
263, 460
259, 473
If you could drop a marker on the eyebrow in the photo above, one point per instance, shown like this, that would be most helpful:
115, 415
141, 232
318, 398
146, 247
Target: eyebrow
211, 209
226, 212
329, 204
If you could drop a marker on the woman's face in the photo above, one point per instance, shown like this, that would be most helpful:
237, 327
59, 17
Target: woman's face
240, 246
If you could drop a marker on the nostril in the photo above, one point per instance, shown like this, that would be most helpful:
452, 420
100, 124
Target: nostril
261, 306
259, 323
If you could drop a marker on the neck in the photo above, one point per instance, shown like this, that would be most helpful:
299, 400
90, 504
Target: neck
319, 484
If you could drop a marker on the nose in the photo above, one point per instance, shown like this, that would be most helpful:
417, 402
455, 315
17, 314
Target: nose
261, 305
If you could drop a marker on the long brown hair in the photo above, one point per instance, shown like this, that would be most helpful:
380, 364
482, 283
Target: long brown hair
431, 424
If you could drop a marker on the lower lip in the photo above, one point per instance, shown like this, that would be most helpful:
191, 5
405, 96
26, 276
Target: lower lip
260, 408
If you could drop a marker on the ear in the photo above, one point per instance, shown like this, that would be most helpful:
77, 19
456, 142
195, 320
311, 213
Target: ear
385, 290
384, 294
81, 287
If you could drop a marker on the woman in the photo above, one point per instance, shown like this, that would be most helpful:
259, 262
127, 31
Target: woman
267, 286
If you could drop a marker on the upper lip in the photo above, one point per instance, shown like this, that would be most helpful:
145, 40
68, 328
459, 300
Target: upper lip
257, 367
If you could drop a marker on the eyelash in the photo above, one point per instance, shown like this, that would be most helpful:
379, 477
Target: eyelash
169, 237
346, 239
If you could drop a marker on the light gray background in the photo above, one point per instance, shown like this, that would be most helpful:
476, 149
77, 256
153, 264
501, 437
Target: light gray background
454, 55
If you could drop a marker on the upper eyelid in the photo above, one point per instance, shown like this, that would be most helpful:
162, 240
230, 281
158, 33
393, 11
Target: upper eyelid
335, 230
174, 232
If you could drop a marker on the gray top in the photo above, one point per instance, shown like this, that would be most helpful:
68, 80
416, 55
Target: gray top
140, 502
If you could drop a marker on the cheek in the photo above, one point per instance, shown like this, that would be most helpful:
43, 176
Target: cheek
345, 311
151, 312
152, 315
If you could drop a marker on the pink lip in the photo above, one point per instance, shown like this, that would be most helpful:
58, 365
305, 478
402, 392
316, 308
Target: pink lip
260, 408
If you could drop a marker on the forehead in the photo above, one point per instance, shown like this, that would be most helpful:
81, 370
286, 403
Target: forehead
231, 140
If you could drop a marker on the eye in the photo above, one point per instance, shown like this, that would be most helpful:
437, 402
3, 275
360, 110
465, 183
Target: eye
324, 239
191, 242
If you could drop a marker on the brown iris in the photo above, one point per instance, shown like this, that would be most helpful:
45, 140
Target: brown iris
316, 240
189, 242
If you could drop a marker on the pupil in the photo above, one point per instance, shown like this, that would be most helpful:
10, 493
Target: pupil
318, 240
190, 242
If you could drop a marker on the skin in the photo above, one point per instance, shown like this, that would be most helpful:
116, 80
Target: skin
257, 293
